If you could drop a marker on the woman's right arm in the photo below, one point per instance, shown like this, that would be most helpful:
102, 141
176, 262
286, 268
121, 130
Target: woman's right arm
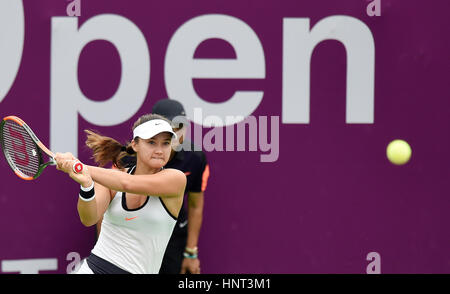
92, 209
90, 212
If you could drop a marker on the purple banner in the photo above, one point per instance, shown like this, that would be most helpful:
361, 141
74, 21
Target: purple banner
294, 103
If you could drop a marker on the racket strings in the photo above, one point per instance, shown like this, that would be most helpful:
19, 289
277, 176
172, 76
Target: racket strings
20, 149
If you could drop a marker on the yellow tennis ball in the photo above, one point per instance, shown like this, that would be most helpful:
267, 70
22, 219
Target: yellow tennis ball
398, 152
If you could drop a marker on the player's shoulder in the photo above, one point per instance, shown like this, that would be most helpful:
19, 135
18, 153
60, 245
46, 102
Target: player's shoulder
173, 172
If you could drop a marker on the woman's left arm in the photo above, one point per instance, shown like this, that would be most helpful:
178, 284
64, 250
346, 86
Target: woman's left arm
166, 183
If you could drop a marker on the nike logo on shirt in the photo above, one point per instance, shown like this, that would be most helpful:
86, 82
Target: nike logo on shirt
130, 218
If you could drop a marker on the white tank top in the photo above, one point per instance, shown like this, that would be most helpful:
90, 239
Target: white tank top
135, 239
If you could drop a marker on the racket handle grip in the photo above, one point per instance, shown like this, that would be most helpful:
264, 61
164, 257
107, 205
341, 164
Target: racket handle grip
77, 167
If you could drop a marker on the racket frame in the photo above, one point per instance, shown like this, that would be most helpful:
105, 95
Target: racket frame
35, 140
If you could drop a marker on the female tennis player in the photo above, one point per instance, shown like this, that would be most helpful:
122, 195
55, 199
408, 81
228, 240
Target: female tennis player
139, 205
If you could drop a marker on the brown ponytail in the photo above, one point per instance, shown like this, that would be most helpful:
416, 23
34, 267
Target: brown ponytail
106, 149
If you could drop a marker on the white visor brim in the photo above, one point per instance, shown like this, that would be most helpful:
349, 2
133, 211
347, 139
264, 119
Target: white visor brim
152, 128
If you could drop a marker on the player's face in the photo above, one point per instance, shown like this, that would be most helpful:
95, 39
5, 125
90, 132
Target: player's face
154, 152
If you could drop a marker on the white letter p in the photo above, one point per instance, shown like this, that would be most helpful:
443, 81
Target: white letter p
67, 100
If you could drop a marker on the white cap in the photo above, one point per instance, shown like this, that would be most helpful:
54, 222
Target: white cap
152, 128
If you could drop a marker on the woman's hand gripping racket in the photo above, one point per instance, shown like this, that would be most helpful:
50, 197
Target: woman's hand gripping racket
23, 150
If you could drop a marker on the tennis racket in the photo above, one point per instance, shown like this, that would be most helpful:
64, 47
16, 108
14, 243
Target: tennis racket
24, 151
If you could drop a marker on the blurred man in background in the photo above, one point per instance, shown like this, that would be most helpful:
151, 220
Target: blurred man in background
181, 255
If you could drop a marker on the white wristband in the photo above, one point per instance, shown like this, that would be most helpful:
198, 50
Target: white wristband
87, 194
88, 199
88, 188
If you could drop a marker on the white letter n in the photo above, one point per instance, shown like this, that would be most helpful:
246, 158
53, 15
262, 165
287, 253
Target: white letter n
298, 45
